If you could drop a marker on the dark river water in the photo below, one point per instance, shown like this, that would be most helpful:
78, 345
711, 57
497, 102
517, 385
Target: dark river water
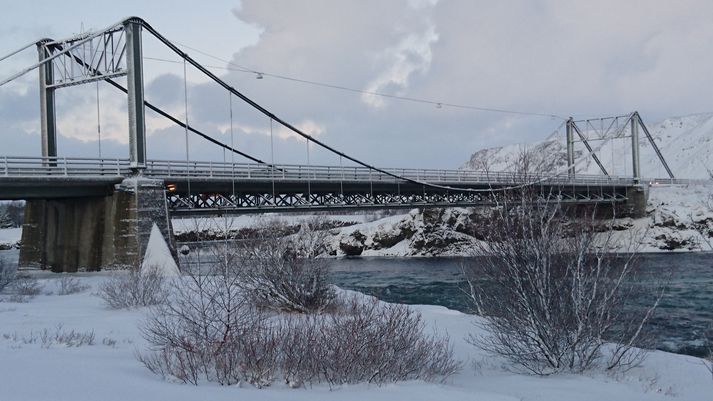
683, 322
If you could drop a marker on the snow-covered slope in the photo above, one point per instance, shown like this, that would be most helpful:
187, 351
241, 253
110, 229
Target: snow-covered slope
685, 142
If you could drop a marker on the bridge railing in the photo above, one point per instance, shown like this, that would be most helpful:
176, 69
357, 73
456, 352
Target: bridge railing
62, 166
76, 166
252, 171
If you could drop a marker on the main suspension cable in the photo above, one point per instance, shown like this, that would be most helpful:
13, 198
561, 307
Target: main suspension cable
299, 132
187, 58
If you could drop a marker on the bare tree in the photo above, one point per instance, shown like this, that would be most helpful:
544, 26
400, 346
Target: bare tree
285, 273
205, 327
552, 289
224, 321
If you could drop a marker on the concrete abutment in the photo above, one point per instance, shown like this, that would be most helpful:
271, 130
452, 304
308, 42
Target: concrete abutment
91, 233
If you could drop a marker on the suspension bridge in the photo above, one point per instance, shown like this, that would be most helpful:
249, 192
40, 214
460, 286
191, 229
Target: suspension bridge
93, 212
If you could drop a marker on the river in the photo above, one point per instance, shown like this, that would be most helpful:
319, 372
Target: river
683, 320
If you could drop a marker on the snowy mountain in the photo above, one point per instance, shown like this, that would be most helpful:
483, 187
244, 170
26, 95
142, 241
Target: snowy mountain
685, 142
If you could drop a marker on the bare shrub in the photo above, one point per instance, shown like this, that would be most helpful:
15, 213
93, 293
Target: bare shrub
285, 273
70, 285
67, 338
210, 330
7, 275
57, 336
367, 342
19, 287
134, 288
109, 342
26, 285
553, 290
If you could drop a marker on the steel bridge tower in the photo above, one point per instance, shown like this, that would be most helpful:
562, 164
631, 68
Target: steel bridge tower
89, 58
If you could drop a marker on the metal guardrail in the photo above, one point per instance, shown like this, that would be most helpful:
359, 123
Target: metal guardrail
12, 166
181, 169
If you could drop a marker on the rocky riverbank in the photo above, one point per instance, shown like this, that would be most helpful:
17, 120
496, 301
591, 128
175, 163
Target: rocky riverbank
678, 219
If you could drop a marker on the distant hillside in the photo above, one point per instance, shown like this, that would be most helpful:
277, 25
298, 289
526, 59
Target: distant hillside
686, 143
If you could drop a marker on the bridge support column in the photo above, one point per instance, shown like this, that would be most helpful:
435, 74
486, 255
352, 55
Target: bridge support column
135, 80
636, 170
48, 120
67, 235
637, 199
570, 147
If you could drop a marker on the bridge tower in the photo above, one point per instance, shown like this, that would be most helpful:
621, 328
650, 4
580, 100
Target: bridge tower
126, 58
135, 79
90, 232
570, 147
48, 116
636, 166
613, 131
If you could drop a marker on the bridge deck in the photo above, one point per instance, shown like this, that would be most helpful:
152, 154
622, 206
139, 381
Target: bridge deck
244, 188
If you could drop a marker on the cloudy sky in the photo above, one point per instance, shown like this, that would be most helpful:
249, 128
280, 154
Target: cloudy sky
580, 58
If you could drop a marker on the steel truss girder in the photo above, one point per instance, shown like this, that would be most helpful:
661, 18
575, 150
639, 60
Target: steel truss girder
103, 57
266, 202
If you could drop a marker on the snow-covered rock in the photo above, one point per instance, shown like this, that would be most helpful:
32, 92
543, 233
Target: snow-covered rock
675, 216
418, 233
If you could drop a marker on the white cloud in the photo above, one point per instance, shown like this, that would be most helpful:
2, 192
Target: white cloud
412, 55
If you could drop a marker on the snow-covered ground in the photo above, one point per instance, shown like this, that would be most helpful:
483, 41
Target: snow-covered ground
109, 371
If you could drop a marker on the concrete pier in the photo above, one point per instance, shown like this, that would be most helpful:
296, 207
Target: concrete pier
636, 200
90, 233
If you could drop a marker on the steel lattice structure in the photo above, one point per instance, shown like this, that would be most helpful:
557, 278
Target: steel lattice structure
103, 56
260, 202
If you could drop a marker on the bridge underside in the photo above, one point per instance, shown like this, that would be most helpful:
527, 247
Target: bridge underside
220, 196
28, 188
96, 227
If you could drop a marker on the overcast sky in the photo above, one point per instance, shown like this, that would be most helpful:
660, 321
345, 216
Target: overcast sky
581, 58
